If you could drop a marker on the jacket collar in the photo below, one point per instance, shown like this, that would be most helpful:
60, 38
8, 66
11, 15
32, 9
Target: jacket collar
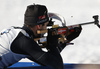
29, 31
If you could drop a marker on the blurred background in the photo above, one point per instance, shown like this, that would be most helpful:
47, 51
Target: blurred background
86, 48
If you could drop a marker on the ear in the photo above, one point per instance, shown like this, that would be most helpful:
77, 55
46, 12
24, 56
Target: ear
38, 26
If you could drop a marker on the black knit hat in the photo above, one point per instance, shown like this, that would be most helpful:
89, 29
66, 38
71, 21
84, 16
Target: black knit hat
36, 14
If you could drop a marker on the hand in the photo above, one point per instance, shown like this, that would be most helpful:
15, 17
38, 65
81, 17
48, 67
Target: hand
74, 33
52, 40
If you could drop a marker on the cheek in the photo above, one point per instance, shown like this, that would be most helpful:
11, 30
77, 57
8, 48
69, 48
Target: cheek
45, 26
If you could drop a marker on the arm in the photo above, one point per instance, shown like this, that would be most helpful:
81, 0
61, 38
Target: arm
27, 46
74, 33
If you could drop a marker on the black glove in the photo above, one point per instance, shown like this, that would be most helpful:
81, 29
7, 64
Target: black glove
52, 40
74, 33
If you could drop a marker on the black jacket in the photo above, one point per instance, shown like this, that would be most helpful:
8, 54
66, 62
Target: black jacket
25, 45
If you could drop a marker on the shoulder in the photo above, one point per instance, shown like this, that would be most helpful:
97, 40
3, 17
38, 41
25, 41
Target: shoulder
20, 42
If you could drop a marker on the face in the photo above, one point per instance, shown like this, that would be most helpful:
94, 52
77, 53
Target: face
44, 27
41, 27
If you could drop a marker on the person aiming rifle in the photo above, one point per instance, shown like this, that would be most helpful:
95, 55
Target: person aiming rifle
18, 42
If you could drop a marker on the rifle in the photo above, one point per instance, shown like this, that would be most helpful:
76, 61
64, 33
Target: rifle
64, 30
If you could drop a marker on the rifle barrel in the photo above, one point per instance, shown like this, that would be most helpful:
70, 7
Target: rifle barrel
86, 23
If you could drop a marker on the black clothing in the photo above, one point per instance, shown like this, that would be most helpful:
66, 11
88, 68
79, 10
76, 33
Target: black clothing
74, 34
26, 45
